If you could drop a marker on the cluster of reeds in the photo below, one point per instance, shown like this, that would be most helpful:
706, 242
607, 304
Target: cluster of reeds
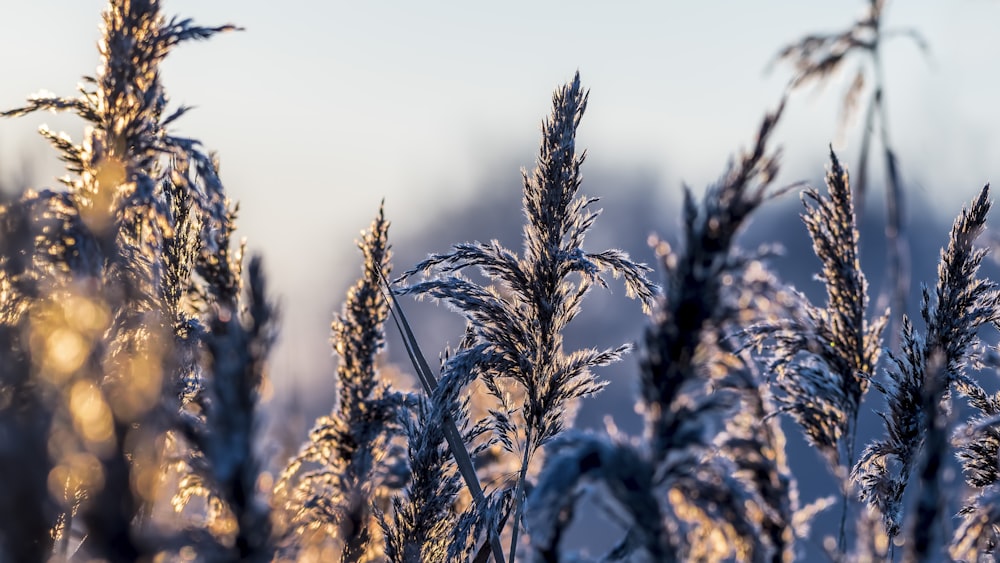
130, 345
133, 356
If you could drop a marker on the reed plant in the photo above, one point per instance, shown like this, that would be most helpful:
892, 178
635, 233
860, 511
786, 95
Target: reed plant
134, 343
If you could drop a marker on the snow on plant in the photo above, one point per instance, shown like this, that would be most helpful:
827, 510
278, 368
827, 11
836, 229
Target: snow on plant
134, 347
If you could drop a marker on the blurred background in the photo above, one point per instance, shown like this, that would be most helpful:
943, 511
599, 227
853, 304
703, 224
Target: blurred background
319, 110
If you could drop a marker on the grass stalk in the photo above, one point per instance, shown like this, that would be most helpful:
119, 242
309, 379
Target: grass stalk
429, 383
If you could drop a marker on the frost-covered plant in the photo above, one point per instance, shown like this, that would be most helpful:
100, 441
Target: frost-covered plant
27, 513
227, 465
713, 290
129, 281
816, 58
692, 489
427, 524
753, 441
133, 360
331, 485
822, 357
978, 445
963, 302
975, 539
520, 317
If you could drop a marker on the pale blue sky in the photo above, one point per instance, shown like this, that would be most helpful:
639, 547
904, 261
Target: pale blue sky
320, 108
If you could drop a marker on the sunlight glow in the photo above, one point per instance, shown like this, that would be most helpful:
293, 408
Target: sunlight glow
91, 415
66, 351
77, 471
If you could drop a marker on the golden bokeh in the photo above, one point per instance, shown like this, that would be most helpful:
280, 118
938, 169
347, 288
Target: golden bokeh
78, 471
65, 351
63, 332
140, 383
104, 184
91, 415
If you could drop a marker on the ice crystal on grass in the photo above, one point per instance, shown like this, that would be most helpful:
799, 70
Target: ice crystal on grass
755, 444
822, 358
133, 349
978, 445
978, 441
112, 265
238, 342
701, 295
963, 302
687, 356
816, 58
976, 538
129, 151
622, 471
521, 316
425, 518
332, 484
691, 490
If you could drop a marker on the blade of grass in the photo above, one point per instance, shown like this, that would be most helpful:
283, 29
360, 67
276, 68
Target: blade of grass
483, 554
454, 437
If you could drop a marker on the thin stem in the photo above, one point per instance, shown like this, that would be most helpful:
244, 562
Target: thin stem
518, 493
861, 181
453, 436
897, 262
845, 480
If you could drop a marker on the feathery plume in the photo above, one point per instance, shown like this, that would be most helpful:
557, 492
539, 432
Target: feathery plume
676, 496
822, 358
334, 480
816, 58
521, 318
963, 302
